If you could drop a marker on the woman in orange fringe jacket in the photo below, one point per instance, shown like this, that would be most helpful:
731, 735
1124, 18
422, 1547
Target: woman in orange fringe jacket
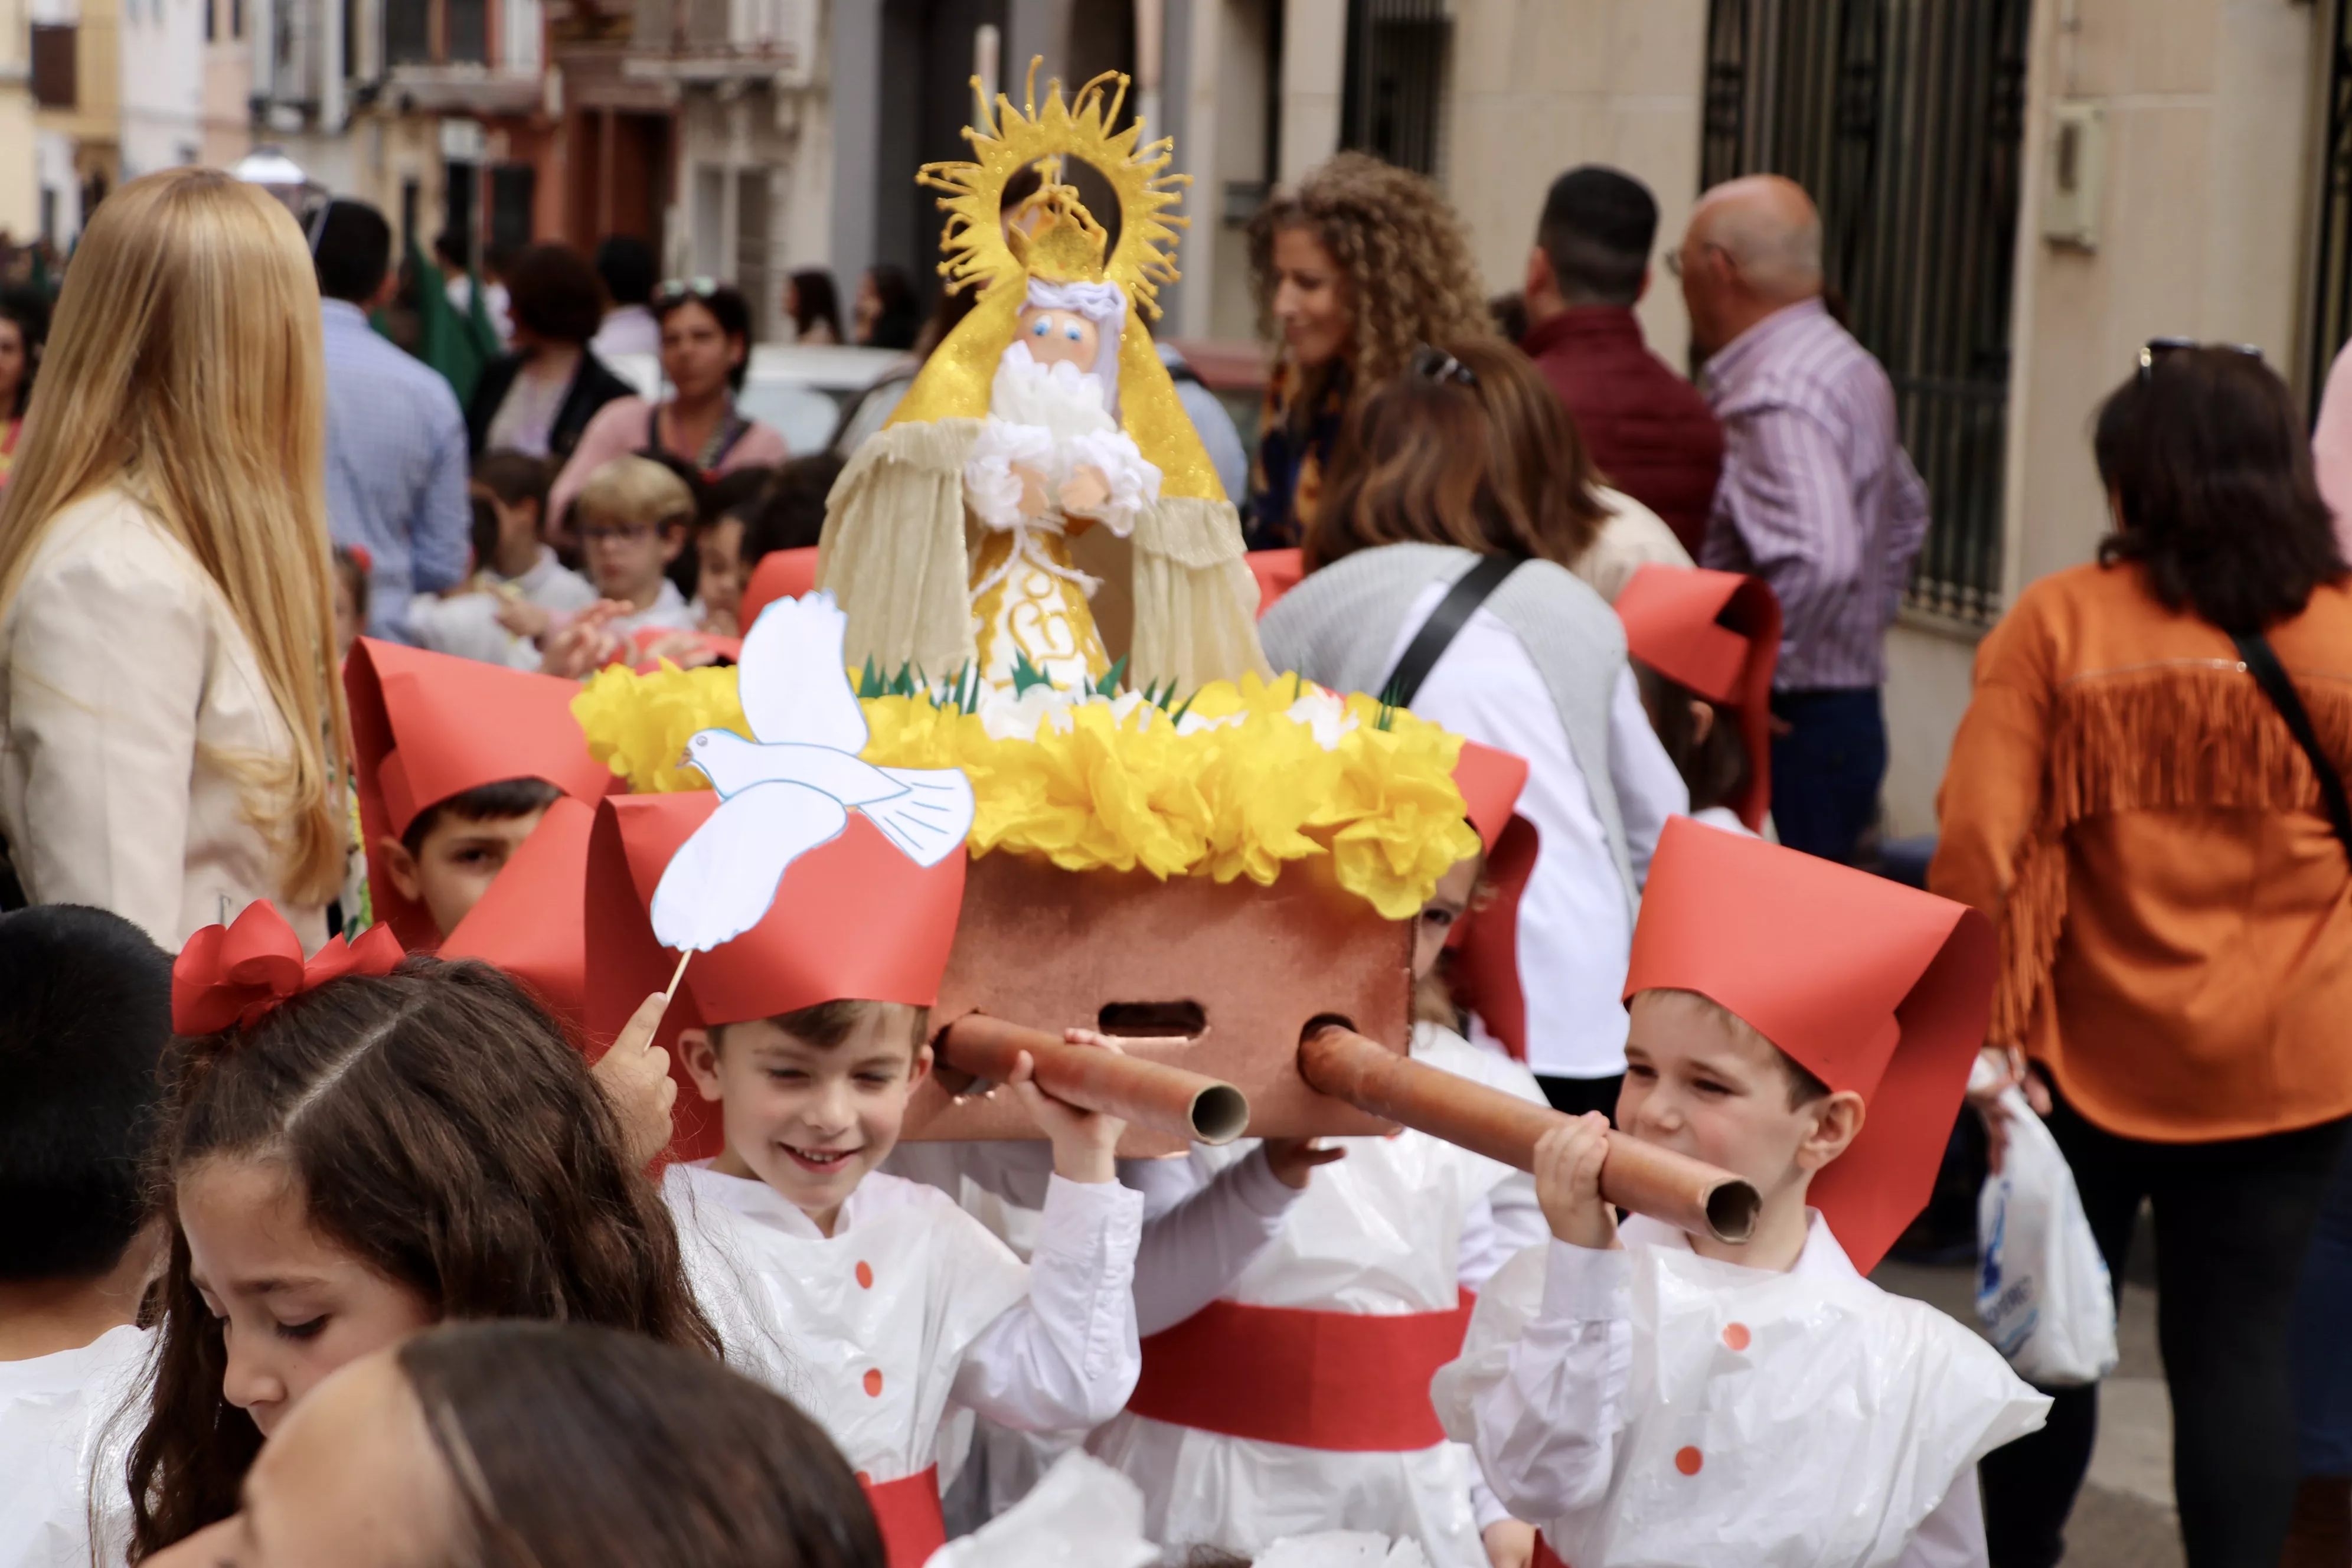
2133, 811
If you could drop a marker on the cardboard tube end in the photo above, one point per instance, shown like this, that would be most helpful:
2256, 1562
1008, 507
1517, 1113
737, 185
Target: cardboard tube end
1731, 1211
1219, 1113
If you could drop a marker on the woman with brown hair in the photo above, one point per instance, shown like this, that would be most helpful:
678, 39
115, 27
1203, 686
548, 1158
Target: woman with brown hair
542, 1446
1353, 269
346, 1166
2140, 797
538, 399
1601, 534
1436, 576
170, 724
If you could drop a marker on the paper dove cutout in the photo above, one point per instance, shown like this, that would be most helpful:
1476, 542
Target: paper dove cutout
794, 788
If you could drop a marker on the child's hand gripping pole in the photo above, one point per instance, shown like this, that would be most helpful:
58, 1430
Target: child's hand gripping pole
633, 1073
1643, 1178
1149, 1094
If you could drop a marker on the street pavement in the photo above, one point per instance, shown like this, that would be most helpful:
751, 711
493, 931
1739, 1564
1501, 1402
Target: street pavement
2124, 1516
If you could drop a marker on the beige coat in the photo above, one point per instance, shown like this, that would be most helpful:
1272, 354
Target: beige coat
1632, 537
124, 681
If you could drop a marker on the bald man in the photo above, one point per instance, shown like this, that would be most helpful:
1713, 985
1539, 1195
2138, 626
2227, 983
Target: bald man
1817, 496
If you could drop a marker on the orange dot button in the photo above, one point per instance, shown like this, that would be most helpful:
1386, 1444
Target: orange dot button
865, 1279
1736, 1335
1686, 1460
874, 1389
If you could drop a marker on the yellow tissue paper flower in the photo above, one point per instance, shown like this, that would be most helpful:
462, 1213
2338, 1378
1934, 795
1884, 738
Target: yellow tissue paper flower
1263, 773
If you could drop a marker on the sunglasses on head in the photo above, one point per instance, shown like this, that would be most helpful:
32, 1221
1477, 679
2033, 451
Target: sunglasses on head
687, 289
1436, 364
2155, 350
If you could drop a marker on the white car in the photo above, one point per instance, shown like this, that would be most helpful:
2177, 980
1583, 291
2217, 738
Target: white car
799, 390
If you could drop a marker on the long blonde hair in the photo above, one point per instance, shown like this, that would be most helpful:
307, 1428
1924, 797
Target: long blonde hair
185, 366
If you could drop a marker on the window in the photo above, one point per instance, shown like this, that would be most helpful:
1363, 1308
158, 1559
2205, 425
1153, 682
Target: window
54, 56
468, 30
407, 32
512, 189
1392, 96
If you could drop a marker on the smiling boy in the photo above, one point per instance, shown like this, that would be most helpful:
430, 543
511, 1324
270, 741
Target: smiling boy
871, 1301
1649, 1395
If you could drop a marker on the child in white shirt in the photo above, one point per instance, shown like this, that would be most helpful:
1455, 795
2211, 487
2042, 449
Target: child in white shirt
1655, 1397
870, 1300
85, 1016
519, 589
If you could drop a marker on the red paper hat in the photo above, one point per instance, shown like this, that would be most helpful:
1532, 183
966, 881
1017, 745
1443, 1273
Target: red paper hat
1486, 945
426, 726
1717, 633
780, 574
533, 922
1873, 986
1277, 572
854, 918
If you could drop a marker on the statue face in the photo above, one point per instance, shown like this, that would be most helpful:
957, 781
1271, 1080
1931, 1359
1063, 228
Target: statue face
1057, 335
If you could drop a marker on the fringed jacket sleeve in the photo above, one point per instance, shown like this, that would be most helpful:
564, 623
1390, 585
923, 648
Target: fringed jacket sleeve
1988, 809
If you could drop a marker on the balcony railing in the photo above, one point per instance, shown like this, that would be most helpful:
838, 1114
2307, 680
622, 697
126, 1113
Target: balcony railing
720, 38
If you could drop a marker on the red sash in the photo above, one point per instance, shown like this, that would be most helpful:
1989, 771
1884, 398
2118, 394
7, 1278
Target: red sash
1545, 1556
907, 1509
1339, 1381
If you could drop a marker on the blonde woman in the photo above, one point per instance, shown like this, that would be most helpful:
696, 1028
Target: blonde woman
170, 726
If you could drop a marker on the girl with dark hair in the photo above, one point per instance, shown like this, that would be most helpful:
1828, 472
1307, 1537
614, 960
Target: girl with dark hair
24, 323
815, 306
349, 1163
1424, 503
888, 314
706, 337
543, 1446
2139, 796
539, 397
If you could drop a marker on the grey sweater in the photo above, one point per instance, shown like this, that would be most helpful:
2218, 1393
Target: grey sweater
1340, 627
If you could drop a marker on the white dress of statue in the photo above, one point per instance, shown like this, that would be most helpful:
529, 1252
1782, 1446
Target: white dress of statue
1050, 462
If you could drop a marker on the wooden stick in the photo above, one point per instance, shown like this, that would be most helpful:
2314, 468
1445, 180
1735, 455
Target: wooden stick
1149, 1094
677, 975
1683, 1192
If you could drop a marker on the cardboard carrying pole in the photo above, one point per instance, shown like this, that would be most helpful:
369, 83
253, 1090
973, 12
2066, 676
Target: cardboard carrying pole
1639, 1176
1149, 1094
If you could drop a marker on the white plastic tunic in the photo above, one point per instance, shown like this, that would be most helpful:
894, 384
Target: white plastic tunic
1650, 1406
65, 1434
1380, 1233
911, 1302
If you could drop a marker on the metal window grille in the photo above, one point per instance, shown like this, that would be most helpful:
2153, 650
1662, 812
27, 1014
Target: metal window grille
468, 25
1904, 119
408, 32
1392, 92
2331, 295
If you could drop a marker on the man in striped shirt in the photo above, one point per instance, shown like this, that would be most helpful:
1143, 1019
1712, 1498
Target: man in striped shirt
1816, 495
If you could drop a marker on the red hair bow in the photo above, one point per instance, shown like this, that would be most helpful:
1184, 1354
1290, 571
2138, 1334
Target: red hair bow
234, 974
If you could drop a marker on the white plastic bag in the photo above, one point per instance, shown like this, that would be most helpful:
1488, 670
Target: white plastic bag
1084, 1514
2042, 1287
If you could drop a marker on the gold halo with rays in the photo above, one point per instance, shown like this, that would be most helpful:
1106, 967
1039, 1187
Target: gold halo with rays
972, 245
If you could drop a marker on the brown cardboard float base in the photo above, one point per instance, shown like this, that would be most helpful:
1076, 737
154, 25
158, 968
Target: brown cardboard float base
1052, 949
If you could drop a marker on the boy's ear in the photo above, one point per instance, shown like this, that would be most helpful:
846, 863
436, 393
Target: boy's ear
922, 1067
700, 1054
401, 867
674, 539
1702, 719
1837, 1122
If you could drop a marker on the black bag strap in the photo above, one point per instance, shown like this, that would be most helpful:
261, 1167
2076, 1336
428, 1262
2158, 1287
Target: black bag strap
2262, 663
1470, 590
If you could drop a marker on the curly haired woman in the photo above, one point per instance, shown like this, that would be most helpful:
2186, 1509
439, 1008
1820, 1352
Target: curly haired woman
1359, 264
